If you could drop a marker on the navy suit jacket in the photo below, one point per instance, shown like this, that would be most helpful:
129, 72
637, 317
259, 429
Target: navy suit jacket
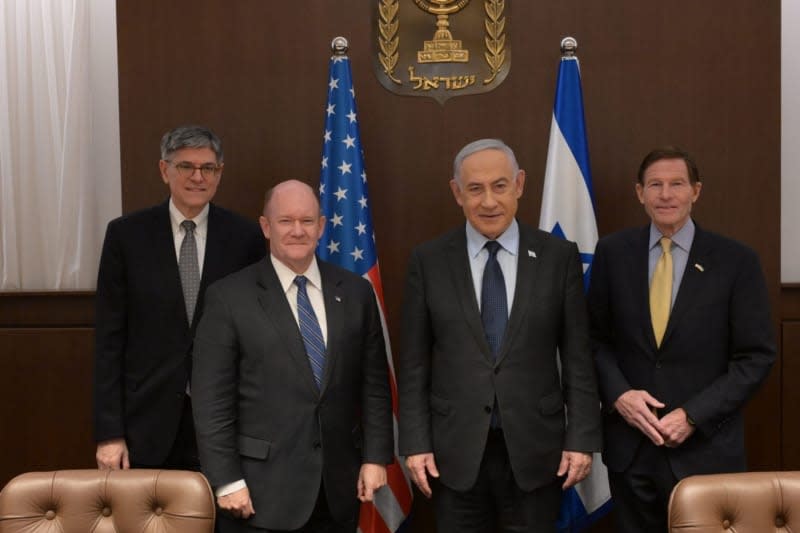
143, 341
448, 378
258, 413
717, 348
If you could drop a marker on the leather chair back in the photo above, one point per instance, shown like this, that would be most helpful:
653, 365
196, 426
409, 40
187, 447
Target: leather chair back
103, 501
748, 502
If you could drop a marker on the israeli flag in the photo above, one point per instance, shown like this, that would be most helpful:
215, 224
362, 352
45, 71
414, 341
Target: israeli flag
568, 211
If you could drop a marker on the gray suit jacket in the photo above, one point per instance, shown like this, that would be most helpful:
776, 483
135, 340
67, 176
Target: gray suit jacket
717, 348
258, 413
448, 378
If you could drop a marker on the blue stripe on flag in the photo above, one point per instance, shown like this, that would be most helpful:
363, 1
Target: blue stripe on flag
568, 110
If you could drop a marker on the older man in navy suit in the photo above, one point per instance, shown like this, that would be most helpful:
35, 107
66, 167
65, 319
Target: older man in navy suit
682, 339
155, 266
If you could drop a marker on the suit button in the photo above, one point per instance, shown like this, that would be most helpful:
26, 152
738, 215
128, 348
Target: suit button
488, 408
658, 364
317, 445
497, 370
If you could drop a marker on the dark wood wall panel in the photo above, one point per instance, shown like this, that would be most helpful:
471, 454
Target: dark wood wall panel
700, 74
46, 416
790, 392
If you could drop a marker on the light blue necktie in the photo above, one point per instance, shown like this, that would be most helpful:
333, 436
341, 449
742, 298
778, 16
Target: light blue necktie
310, 330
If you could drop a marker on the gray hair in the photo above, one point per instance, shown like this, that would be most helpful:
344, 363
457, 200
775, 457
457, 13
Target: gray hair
480, 145
190, 137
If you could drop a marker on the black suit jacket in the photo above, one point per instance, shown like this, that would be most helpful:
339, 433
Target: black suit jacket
716, 350
448, 378
258, 413
143, 341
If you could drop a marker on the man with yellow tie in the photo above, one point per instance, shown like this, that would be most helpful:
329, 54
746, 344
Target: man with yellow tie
682, 338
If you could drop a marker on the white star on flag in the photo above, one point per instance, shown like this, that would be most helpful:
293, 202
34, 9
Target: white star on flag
361, 228
350, 142
340, 194
352, 116
336, 220
357, 254
333, 247
344, 168
331, 109
363, 202
334, 83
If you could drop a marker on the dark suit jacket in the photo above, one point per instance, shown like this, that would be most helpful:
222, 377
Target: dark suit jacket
448, 378
143, 339
258, 413
716, 350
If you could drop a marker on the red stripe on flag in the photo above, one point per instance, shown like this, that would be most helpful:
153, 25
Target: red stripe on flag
396, 480
370, 521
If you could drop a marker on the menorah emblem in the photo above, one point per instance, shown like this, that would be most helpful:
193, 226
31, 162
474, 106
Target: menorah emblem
443, 48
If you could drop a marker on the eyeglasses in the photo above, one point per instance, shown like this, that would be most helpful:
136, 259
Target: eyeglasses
186, 169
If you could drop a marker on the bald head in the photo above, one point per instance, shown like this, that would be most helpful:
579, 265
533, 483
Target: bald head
293, 188
292, 223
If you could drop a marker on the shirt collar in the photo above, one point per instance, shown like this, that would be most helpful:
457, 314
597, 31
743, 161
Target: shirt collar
176, 217
509, 239
683, 238
286, 275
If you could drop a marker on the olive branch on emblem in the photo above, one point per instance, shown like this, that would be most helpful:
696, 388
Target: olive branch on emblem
495, 37
387, 38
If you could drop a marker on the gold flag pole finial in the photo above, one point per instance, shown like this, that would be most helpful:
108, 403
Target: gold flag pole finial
568, 46
339, 46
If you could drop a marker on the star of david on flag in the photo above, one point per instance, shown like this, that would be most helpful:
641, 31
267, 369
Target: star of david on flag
349, 241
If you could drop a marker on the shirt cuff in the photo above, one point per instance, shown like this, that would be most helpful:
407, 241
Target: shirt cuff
230, 488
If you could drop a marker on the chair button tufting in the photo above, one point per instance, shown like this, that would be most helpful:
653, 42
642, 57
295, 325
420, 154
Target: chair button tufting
106, 511
726, 524
50, 514
158, 511
780, 521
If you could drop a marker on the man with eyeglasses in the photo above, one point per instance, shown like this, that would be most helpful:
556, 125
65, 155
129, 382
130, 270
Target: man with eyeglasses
154, 268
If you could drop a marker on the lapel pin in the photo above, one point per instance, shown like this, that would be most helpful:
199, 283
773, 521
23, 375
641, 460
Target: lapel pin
337, 298
699, 267
531, 253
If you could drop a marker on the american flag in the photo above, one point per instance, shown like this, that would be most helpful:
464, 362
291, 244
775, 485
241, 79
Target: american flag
349, 241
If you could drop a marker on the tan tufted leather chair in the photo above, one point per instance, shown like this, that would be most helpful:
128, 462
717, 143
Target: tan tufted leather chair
102, 501
749, 502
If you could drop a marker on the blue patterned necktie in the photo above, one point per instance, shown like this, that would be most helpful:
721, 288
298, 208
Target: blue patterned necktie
189, 268
494, 308
310, 330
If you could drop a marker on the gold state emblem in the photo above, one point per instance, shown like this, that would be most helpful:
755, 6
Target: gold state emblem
408, 61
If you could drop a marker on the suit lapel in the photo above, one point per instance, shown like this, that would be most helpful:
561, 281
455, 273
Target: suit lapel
216, 237
692, 281
276, 309
461, 274
527, 268
638, 258
163, 250
333, 294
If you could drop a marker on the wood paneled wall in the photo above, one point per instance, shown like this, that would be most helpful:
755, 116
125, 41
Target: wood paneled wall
703, 75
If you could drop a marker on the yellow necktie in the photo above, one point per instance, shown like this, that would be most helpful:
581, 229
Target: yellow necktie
661, 291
